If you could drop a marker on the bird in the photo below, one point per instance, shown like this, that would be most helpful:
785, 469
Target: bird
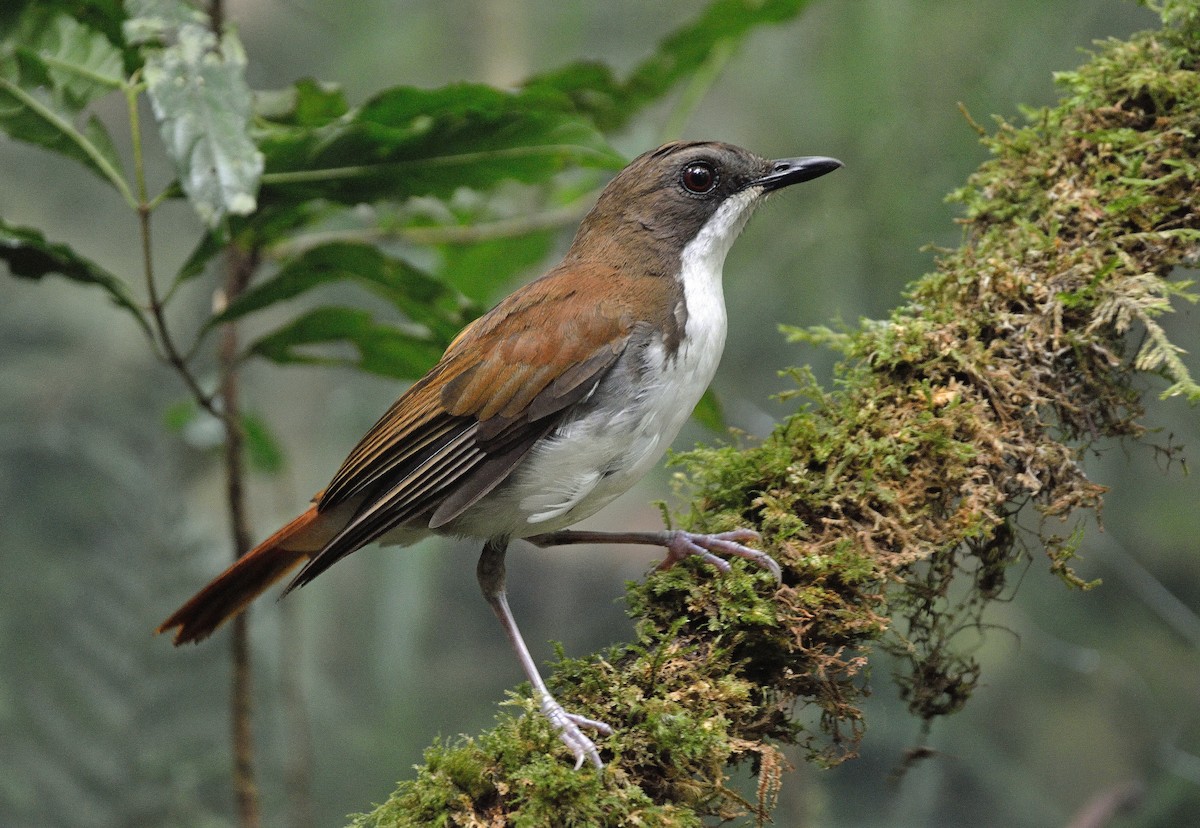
549, 406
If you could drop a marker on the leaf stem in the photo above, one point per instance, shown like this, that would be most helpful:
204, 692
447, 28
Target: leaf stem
143, 207
367, 170
82, 71
67, 129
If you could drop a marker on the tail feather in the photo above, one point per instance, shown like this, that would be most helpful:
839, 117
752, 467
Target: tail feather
249, 577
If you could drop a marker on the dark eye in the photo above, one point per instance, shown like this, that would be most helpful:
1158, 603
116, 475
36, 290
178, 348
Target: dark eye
699, 177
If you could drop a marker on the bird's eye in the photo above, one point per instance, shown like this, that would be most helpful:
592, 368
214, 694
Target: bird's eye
699, 177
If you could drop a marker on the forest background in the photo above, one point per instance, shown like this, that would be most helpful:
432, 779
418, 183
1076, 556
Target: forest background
113, 518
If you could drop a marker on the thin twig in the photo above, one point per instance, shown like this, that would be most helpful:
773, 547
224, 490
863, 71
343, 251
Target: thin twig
165, 346
239, 267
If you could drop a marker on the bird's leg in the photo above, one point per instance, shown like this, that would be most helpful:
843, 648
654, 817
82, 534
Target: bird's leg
490, 573
679, 545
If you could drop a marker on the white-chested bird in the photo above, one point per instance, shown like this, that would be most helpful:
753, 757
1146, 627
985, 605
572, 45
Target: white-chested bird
549, 406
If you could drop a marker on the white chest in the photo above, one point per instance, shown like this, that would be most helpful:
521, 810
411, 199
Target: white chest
594, 457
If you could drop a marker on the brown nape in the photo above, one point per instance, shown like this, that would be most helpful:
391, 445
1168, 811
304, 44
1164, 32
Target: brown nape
236, 587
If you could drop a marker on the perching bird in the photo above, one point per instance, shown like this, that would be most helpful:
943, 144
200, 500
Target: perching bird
549, 406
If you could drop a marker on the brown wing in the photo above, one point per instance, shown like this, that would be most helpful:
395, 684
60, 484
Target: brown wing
506, 381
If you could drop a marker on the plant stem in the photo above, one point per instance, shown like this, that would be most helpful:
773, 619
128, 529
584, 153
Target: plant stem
299, 766
239, 266
65, 128
167, 351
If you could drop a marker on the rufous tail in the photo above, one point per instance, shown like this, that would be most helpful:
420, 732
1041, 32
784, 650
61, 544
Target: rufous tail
249, 577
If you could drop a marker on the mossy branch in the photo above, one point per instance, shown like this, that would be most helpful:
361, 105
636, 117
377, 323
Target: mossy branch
973, 401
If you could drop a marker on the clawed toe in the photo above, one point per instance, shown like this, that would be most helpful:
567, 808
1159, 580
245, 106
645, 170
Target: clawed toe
570, 730
710, 547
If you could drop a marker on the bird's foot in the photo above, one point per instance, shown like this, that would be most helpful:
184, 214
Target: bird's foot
710, 548
570, 730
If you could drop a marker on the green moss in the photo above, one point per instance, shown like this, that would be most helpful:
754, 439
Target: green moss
889, 501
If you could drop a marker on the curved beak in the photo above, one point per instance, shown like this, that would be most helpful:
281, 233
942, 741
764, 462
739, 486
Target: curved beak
787, 171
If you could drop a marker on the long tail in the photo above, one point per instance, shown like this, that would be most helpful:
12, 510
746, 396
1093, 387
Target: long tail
253, 573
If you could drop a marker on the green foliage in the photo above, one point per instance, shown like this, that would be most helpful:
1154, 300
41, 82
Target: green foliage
270, 171
52, 68
421, 297
408, 142
29, 256
594, 89
382, 349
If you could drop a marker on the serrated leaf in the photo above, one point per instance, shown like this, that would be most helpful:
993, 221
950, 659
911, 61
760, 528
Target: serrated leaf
203, 106
30, 256
421, 297
382, 350
408, 142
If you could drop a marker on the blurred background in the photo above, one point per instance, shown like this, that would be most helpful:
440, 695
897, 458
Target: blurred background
111, 520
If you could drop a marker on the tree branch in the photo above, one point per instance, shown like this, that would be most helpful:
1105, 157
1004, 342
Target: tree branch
975, 400
239, 267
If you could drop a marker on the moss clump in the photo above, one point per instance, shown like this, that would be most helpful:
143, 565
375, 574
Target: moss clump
973, 401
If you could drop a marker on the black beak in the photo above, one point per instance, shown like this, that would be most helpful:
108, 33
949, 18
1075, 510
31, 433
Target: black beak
788, 171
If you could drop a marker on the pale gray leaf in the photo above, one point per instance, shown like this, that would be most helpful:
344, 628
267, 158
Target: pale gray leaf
203, 105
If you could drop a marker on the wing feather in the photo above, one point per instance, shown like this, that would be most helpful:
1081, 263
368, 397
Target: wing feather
505, 382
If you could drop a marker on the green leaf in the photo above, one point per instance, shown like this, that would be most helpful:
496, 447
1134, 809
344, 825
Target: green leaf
103, 16
30, 256
262, 449
595, 91
211, 244
482, 269
203, 106
418, 295
709, 413
202, 430
409, 142
51, 69
308, 103
382, 350
79, 64
178, 415
263, 228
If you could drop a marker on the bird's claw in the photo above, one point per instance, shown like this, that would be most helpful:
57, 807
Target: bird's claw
570, 730
709, 548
